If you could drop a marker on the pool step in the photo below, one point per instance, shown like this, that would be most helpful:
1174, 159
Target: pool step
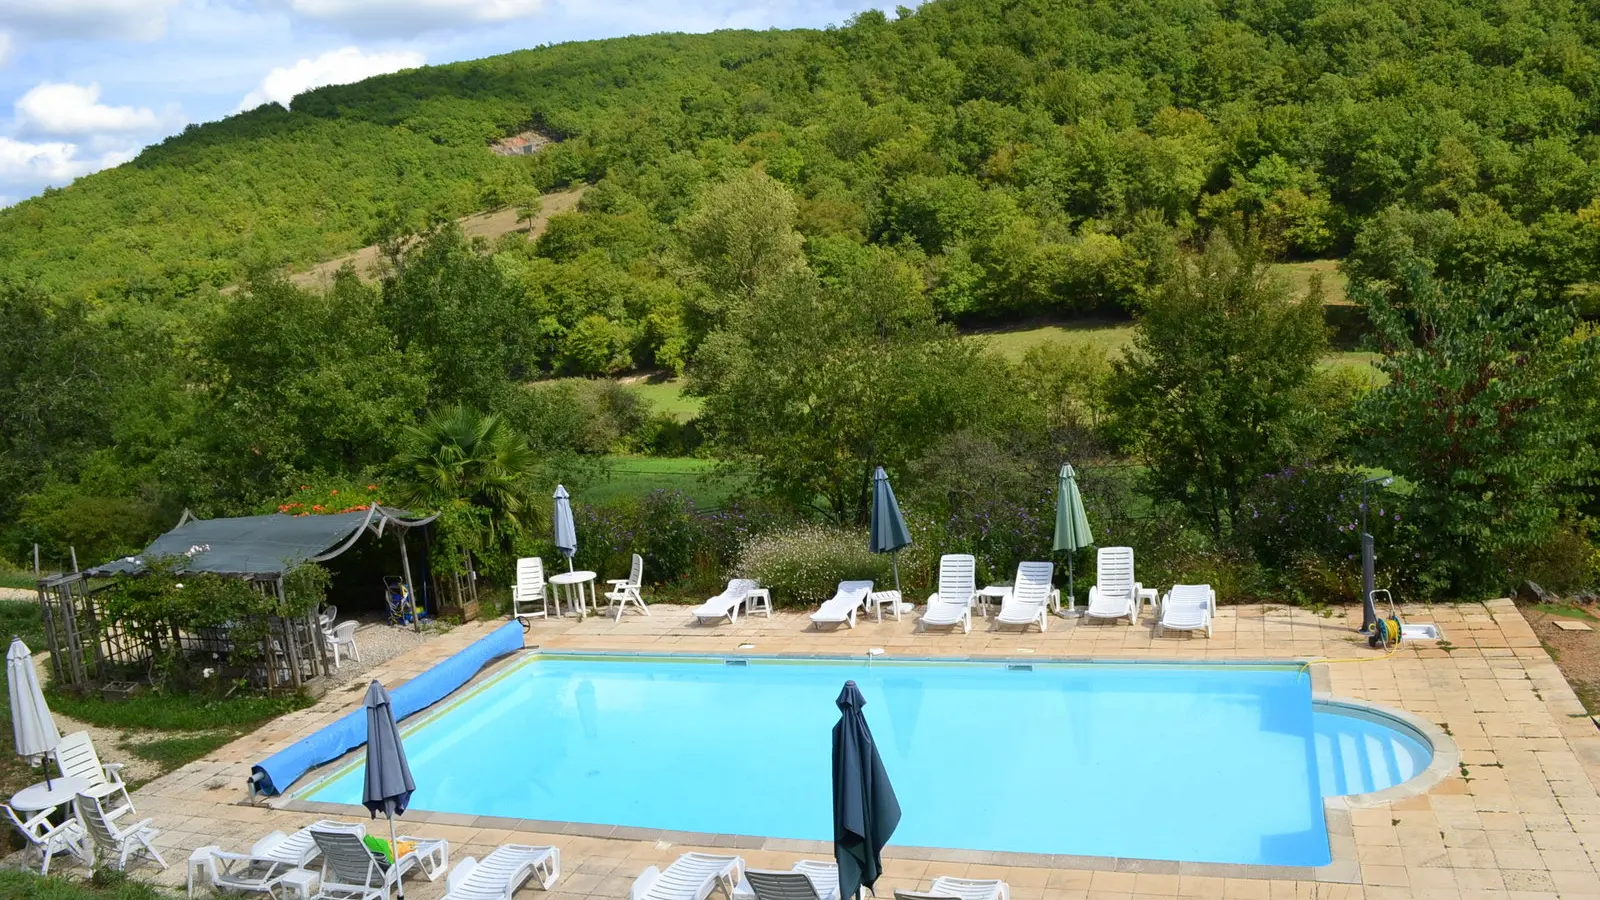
1358, 756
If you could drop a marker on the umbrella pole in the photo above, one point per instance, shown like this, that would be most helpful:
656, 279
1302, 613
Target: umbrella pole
394, 853
894, 560
1072, 598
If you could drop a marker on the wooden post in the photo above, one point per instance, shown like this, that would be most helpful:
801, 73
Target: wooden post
411, 590
74, 559
291, 637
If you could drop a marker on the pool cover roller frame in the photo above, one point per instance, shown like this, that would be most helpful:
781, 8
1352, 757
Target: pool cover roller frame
275, 773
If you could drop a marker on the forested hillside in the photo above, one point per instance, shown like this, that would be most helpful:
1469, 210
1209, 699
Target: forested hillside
781, 215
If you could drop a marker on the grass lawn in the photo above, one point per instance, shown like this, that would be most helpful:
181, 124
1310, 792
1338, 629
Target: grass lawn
17, 579
1299, 275
110, 885
666, 396
1013, 344
638, 475
23, 619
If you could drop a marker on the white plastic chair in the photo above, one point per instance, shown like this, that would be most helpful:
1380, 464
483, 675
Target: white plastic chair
692, 876
947, 888
842, 607
328, 616
76, 758
726, 604
269, 860
351, 872
626, 590
1188, 607
137, 839
530, 589
1115, 593
1031, 596
952, 605
49, 838
504, 870
343, 636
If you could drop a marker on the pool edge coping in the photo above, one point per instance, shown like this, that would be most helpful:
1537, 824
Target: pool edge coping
1342, 868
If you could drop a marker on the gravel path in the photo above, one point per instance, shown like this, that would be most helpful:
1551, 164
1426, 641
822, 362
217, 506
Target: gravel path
379, 642
18, 594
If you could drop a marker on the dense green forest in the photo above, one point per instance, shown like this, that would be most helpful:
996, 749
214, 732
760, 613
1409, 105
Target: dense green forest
798, 220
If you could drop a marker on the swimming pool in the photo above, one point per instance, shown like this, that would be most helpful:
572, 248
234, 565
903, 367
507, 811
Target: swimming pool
1207, 763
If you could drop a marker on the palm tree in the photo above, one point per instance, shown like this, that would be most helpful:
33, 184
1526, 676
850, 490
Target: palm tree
463, 456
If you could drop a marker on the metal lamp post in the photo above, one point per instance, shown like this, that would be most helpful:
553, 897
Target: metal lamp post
1369, 614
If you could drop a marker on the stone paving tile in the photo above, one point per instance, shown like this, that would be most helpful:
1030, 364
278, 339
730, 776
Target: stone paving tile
1520, 820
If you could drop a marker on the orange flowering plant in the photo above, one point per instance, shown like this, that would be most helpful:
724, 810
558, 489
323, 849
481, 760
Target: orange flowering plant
326, 496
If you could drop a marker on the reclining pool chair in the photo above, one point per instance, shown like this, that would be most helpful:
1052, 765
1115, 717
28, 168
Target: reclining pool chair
626, 590
808, 880
947, 888
726, 604
1115, 594
1188, 607
75, 757
350, 871
1030, 597
692, 876
122, 842
952, 605
498, 875
269, 859
49, 838
843, 606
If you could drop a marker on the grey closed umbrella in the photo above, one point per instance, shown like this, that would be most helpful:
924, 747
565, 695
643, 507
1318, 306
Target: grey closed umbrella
388, 777
865, 811
31, 723
888, 532
566, 533
1072, 523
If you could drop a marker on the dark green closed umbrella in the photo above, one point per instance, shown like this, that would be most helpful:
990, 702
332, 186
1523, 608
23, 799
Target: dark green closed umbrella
1072, 525
888, 532
865, 811
388, 783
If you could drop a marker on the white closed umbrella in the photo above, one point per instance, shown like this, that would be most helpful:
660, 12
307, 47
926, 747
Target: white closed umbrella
31, 723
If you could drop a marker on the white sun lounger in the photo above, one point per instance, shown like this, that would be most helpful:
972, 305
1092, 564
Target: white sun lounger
952, 605
947, 888
351, 872
843, 606
692, 876
271, 858
810, 879
1188, 607
726, 604
1030, 598
504, 870
1116, 594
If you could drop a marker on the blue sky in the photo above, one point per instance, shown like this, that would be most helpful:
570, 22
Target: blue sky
85, 83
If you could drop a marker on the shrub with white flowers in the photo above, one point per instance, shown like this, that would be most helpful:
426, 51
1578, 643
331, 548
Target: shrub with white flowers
803, 565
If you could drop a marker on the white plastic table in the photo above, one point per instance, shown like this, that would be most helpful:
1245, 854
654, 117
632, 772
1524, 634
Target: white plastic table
40, 796
572, 584
761, 599
992, 592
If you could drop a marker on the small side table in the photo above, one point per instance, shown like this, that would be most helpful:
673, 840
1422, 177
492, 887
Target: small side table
299, 883
761, 599
877, 600
201, 862
992, 592
1152, 597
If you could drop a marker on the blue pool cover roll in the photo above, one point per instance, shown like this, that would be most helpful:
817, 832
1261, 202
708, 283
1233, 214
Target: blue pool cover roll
283, 768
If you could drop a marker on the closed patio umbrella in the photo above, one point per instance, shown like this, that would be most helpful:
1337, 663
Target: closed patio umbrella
1072, 525
888, 532
566, 533
388, 777
31, 723
865, 811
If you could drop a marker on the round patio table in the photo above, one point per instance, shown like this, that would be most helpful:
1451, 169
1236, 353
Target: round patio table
39, 796
572, 584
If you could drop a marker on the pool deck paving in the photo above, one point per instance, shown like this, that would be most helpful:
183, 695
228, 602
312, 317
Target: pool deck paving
1518, 818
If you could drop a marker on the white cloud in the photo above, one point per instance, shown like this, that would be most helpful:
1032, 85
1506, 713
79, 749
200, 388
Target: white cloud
7, 46
340, 66
139, 20
412, 16
68, 109
56, 162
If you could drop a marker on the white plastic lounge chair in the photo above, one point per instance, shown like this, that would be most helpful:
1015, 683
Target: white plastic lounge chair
269, 859
1188, 607
104, 835
343, 637
843, 606
1031, 596
952, 605
692, 876
808, 880
352, 872
504, 870
626, 590
76, 757
726, 604
50, 839
1116, 594
947, 888
530, 591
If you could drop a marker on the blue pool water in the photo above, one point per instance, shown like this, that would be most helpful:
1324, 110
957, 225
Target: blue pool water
1201, 763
